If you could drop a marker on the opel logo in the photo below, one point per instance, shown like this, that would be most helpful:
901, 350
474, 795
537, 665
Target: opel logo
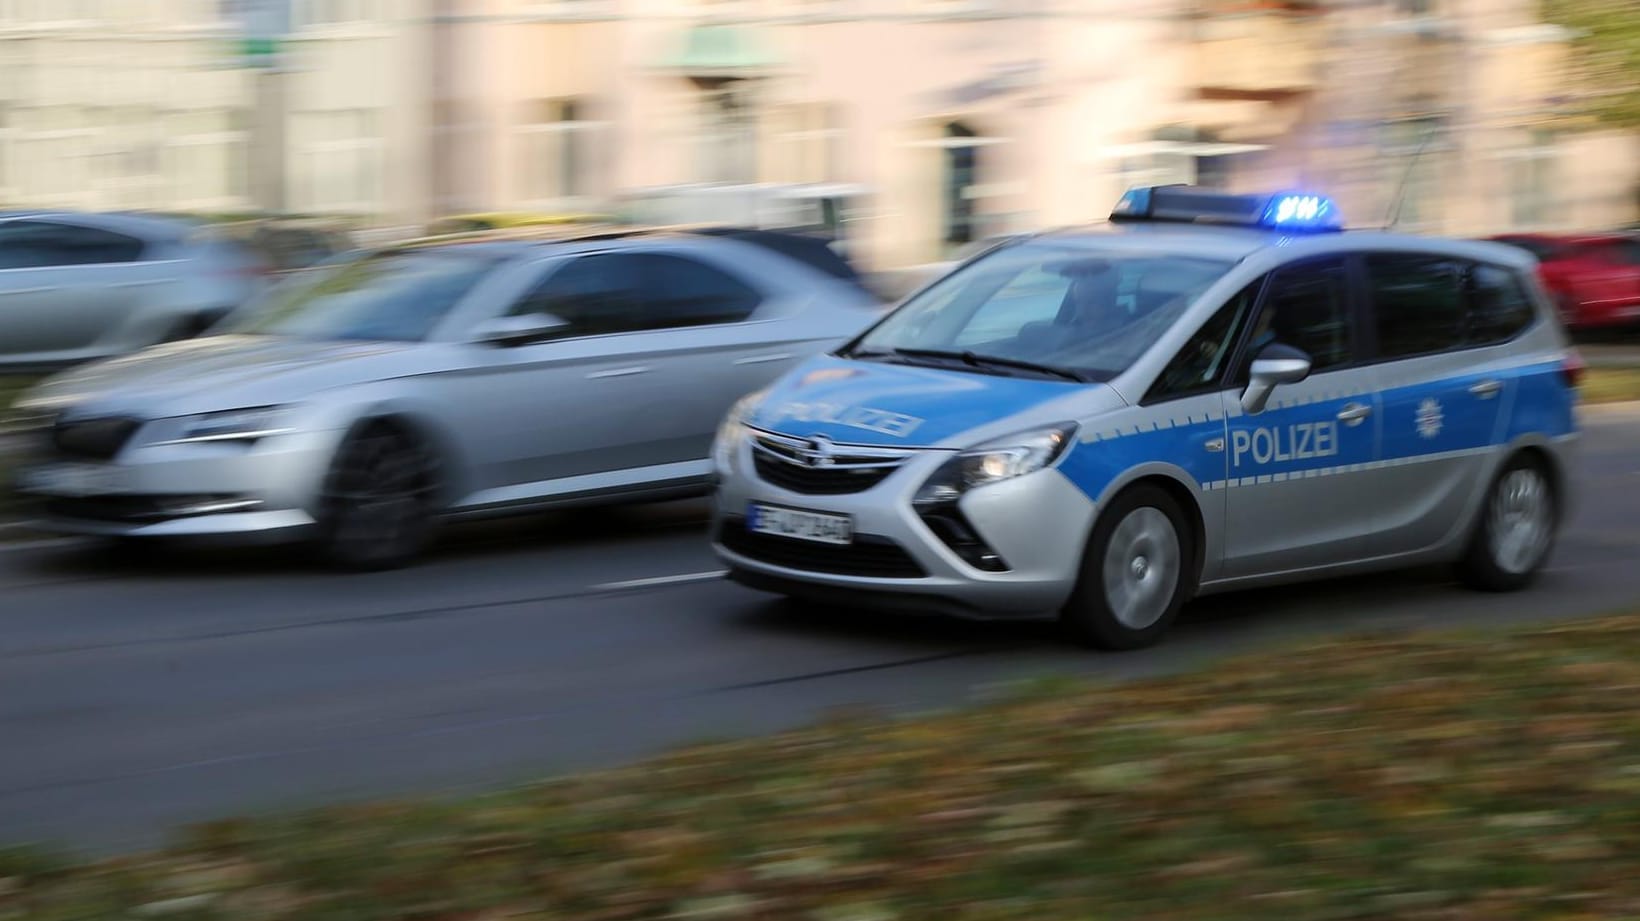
817, 453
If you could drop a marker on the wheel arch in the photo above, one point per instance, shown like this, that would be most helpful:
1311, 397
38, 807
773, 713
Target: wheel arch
1180, 487
454, 474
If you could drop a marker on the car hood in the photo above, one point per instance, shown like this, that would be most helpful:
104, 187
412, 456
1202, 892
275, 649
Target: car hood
872, 403
216, 373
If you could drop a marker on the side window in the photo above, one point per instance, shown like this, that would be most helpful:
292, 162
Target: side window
679, 292
1032, 296
1307, 306
1629, 251
1200, 366
1418, 303
1499, 307
22, 246
38, 244
596, 295
1607, 254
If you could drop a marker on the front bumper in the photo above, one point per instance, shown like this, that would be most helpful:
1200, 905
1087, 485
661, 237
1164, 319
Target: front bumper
260, 492
1038, 524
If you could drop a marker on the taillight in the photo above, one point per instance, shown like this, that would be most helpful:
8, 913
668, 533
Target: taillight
1571, 368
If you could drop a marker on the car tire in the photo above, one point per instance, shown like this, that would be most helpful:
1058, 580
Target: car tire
378, 507
1137, 572
1514, 530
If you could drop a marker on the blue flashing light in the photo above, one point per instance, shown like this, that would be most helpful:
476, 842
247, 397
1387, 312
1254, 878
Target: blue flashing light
1135, 203
1301, 212
1288, 212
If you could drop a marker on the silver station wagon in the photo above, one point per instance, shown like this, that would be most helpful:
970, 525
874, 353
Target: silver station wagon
356, 405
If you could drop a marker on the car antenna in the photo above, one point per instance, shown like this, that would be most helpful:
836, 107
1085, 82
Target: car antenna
1406, 177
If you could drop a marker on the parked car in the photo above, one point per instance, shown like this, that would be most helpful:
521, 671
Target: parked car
76, 287
1594, 278
291, 244
355, 405
1213, 392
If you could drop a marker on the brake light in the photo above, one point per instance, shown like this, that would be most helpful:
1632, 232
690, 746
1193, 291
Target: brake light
1571, 368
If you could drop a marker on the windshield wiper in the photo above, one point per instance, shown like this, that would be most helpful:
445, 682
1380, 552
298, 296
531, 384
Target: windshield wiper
974, 359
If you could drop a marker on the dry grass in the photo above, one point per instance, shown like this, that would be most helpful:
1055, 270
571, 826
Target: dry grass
1483, 776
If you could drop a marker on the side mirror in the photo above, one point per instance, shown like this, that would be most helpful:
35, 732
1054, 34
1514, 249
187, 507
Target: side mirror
1277, 364
520, 329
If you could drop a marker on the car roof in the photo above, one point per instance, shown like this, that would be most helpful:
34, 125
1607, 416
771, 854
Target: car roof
1237, 244
148, 226
1588, 238
579, 236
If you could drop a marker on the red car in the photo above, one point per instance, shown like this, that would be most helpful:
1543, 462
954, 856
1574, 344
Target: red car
1595, 278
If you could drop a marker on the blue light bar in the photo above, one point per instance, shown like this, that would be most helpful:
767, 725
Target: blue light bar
1301, 212
1288, 212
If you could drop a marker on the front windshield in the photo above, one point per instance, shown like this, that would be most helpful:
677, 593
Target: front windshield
397, 296
1069, 310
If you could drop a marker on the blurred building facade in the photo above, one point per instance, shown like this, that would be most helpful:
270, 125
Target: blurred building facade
151, 104
119, 106
959, 118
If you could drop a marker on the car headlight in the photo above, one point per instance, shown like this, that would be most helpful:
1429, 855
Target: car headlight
732, 430
234, 425
994, 462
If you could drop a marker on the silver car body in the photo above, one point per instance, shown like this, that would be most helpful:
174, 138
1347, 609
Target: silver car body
1372, 466
571, 420
75, 287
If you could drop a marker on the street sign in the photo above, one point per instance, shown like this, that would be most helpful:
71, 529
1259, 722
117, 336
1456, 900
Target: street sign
263, 26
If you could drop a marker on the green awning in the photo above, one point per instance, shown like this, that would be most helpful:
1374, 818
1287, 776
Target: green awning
720, 50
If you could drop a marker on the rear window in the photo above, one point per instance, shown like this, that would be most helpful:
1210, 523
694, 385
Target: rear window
813, 252
1428, 304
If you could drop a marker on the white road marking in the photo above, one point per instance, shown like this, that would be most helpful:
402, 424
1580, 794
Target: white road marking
663, 580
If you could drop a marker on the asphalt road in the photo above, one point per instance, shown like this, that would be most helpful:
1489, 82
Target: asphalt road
136, 696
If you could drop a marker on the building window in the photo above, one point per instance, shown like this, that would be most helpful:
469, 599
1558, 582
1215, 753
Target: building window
340, 163
1413, 153
336, 12
5, 146
1530, 180
727, 145
554, 151
205, 160
961, 175
805, 144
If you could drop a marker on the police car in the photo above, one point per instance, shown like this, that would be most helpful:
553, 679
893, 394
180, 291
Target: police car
1209, 392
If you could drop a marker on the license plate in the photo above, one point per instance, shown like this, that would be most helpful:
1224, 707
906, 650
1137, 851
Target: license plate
810, 526
73, 480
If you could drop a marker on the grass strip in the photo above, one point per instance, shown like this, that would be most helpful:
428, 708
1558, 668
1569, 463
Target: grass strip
1482, 775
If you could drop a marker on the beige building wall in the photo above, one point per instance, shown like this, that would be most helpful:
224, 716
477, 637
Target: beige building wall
358, 117
109, 104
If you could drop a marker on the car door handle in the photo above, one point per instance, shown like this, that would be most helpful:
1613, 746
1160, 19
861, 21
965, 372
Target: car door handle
616, 372
1353, 413
1487, 389
762, 359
